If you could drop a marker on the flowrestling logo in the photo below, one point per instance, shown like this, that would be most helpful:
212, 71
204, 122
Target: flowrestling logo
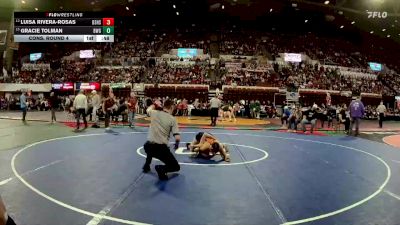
377, 14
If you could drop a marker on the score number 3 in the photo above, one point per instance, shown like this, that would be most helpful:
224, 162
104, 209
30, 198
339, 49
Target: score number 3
108, 21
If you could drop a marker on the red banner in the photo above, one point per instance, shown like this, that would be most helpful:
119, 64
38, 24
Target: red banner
88, 86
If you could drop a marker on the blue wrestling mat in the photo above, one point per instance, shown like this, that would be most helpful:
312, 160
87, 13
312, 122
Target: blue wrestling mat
273, 178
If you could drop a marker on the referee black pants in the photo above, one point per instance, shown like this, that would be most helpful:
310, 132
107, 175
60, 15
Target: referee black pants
10, 221
214, 116
161, 152
381, 118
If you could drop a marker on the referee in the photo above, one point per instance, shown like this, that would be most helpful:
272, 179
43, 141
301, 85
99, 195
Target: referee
381, 109
215, 104
161, 126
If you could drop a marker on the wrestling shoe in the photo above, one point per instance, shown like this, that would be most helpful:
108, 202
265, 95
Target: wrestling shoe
146, 169
227, 158
161, 174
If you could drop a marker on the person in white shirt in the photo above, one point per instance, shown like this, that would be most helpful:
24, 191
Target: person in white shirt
381, 109
80, 106
162, 126
215, 104
96, 103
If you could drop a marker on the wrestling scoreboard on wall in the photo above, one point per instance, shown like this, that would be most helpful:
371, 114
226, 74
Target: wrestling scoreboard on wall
63, 27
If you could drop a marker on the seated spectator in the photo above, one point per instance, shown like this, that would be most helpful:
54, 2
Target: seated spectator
309, 117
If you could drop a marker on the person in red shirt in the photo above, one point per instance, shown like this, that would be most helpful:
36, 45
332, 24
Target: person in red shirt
132, 103
108, 106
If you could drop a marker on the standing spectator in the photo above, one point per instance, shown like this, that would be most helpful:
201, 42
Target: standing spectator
5, 219
215, 104
162, 125
344, 117
108, 106
67, 104
381, 109
53, 106
80, 106
294, 119
285, 116
328, 100
357, 111
96, 103
23, 105
190, 108
89, 112
132, 104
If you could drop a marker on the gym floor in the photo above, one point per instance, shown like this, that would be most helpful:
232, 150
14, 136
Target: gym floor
50, 175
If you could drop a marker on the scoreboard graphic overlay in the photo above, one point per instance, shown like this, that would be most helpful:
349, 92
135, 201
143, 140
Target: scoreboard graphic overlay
63, 27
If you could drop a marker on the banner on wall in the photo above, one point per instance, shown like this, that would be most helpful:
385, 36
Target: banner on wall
120, 85
10, 87
88, 86
138, 87
292, 57
34, 66
63, 86
292, 96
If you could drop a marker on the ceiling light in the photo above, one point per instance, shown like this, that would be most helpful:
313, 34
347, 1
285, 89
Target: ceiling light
134, 14
223, 7
174, 6
23, 2
92, 3
388, 36
383, 29
353, 22
305, 21
36, 9
371, 32
270, 10
294, 5
177, 13
326, 2
341, 27
127, 8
